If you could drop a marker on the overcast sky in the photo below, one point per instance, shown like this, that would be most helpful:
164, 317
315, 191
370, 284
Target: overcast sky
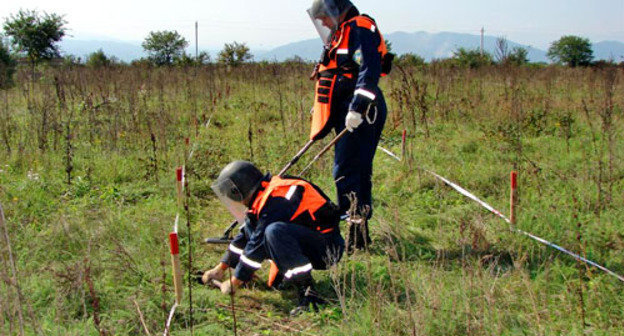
267, 24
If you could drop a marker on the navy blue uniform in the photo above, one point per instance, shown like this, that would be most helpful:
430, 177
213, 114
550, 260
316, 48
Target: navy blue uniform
359, 68
292, 223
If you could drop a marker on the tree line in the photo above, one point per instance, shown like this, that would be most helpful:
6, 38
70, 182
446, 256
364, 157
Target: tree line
33, 37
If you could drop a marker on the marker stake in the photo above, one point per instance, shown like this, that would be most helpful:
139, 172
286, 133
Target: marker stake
175, 263
513, 198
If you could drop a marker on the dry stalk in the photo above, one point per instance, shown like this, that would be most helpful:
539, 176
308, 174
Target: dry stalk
232, 302
5, 121
145, 328
163, 288
15, 275
95, 301
187, 200
250, 139
598, 153
393, 253
581, 271
8, 305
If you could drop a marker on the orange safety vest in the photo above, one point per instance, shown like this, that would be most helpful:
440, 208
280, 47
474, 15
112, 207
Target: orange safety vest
315, 210
329, 72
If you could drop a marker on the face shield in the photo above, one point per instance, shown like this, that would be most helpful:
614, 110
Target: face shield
325, 15
232, 198
325, 25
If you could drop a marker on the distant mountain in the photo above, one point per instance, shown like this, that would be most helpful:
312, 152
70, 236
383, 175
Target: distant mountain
428, 45
309, 50
609, 50
442, 45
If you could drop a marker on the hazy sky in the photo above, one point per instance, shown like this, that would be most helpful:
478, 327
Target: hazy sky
266, 24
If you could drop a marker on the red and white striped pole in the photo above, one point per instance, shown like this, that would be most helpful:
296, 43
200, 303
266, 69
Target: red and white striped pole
175, 263
513, 198
179, 184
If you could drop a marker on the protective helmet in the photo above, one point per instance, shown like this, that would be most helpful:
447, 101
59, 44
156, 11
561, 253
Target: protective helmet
325, 15
235, 186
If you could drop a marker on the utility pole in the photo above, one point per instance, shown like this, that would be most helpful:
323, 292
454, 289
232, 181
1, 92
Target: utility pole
196, 47
482, 32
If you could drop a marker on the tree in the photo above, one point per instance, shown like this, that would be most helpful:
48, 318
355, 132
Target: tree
234, 54
388, 46
472, 58
7, 66
571, 50
295, 60
518, 56
410, 59
502, 50
164, 47
34, 35
98, 59
188, 60
71, 60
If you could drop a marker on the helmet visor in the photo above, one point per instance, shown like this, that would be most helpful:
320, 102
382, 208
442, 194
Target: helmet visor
325, 24
232, 198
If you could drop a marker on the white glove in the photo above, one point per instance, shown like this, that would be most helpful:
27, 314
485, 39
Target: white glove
216, 273
353, 120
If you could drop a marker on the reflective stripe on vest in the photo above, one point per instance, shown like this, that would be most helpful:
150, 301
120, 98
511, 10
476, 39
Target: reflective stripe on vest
311, 200
325, 84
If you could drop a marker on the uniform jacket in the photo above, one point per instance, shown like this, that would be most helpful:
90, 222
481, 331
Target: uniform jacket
350, 69
289, 200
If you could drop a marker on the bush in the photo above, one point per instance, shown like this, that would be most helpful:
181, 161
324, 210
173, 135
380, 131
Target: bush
188, 60
235, 54
7, 66
471, 58
98, 59
410, 59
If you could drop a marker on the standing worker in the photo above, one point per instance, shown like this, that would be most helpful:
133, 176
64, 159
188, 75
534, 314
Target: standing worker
347, 96
287, 220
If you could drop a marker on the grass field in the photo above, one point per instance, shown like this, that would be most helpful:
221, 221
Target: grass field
87, 183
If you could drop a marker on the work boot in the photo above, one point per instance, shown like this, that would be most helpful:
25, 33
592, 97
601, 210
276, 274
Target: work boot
358, 237
308, 299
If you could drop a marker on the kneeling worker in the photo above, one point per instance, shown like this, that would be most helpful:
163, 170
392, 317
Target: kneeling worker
287, 220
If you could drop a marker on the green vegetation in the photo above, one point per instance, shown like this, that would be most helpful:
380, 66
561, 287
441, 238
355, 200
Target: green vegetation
7, 66
516, 56
572, 51
164, 47
99, 59
234, 54
410, 59
35, 35
471, 58
87, 184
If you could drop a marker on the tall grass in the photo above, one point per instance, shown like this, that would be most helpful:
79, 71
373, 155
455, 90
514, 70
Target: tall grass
87, 184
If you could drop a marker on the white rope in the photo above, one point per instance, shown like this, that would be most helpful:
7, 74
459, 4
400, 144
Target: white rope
513, 229
389, 153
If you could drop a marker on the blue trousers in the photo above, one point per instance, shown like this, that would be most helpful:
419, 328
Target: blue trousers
354, 154
297, 249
